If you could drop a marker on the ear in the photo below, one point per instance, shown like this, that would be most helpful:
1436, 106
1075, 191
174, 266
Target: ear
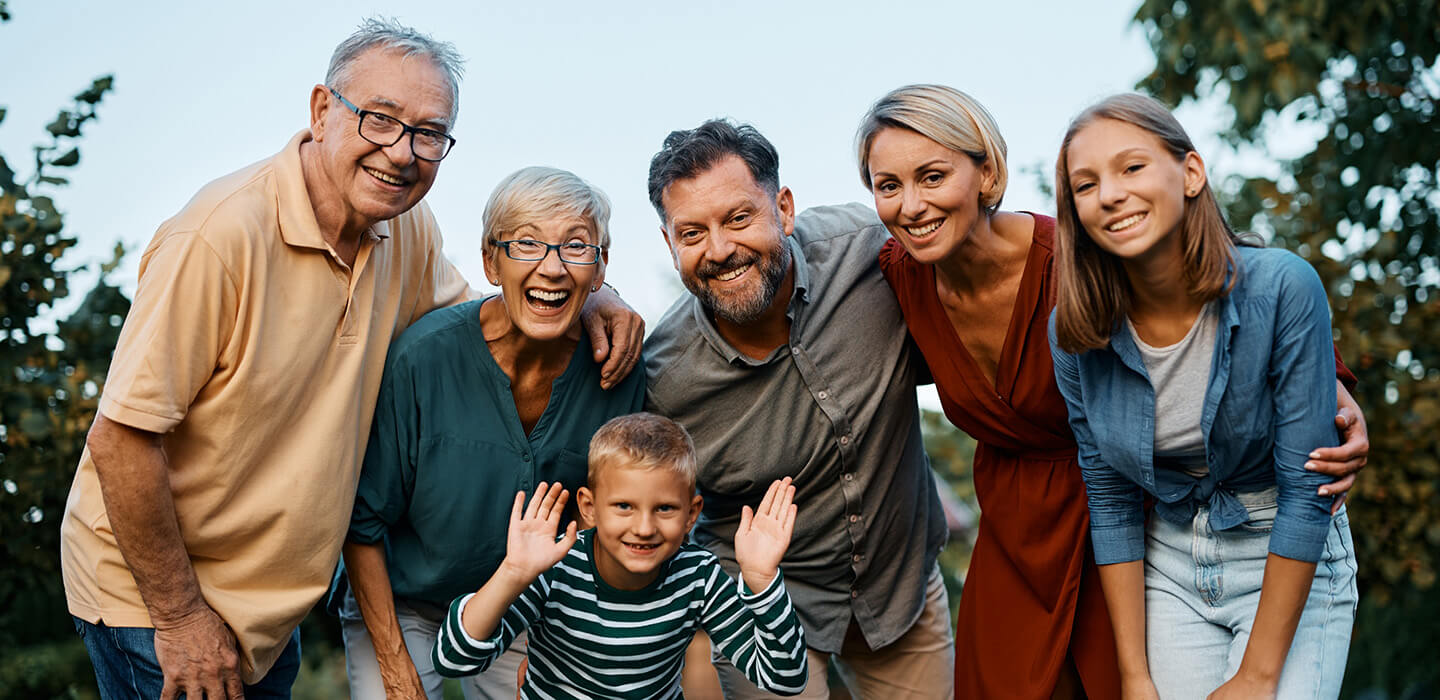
492, 265
319, 109
696, 504
1194, 174
585, 504
785, 202
599, 278
674, 254
987, 178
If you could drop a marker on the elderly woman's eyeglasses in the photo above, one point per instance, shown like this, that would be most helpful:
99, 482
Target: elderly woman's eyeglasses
528, 250
384, 130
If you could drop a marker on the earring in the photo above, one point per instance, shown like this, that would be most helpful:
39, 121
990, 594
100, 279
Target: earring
594, 289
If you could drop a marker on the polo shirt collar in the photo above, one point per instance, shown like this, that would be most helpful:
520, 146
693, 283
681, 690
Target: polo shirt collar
297, 216
798, 299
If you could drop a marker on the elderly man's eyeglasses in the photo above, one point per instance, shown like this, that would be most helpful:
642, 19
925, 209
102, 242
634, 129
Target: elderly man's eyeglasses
383, 130
573, 253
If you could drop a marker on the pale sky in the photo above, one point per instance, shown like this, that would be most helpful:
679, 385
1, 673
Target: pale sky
203, 89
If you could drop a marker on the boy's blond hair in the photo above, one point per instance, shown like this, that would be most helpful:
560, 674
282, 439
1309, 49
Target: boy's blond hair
643, 441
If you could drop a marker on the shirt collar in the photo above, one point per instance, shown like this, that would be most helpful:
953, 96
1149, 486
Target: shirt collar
297, 215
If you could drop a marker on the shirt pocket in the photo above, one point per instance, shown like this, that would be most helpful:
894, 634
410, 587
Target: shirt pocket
1246, 410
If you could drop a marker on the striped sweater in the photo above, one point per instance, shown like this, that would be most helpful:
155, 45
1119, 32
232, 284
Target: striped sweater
588, 639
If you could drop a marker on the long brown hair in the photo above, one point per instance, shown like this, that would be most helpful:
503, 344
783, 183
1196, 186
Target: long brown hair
1092, 291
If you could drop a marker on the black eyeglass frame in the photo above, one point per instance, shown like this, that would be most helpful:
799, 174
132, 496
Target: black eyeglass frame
404, 129
505, 245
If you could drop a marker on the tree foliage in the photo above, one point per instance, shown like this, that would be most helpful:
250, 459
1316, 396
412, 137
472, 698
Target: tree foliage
50, 375
1361, 79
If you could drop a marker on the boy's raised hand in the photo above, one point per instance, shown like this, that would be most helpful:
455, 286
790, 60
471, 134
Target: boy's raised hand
530, 547
764, 535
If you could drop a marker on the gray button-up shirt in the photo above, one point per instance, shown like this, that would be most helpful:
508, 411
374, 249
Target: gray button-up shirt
835, 409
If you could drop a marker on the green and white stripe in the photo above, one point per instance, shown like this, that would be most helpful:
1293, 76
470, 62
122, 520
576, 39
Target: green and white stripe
588, 639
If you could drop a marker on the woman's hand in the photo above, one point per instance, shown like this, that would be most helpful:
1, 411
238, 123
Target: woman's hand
764, 535
530, 547
1244, 687
1344, 461
1138, 688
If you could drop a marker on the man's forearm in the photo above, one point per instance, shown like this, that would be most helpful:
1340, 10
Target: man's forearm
135, 484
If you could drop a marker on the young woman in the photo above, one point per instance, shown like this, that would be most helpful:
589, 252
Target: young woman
976, 288
1197, 369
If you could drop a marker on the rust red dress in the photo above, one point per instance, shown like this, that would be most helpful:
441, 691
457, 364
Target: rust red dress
1032, 596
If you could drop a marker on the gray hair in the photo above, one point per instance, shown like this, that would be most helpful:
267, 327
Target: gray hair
946, 116
537, 193
383, 33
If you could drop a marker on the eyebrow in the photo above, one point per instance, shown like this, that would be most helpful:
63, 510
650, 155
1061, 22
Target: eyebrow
437, 123
1122, 155
745, 204
923, 166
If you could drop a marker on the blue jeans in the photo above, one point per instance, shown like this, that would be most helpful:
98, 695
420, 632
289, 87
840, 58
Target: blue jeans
125, 665
1202, 588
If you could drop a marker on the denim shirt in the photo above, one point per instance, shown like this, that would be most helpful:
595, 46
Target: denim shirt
1270, 401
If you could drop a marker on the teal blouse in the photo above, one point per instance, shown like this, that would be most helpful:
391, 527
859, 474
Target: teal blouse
447, 452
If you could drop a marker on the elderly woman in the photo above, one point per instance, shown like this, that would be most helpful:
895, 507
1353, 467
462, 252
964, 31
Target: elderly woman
479, 401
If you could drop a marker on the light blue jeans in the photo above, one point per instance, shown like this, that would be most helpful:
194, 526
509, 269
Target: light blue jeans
1202, 588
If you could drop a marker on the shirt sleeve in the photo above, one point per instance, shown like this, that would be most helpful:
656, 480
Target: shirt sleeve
457, 654
182, 318
387, 473
758, 632
1117, 515
1301, 374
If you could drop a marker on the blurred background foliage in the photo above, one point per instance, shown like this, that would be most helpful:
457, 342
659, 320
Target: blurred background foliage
1362, 205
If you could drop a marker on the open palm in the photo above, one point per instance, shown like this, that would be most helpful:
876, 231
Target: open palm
764, 534
530, 547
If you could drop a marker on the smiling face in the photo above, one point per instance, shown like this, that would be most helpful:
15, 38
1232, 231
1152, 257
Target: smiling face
367, 183
641, 517
727, 239
543, 297
926, 194
1129, 191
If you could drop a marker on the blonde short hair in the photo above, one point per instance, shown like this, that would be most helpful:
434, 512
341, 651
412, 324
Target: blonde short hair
643, 441
946, 116
538, 193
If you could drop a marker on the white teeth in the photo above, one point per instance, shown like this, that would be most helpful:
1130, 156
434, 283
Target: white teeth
548, 296
1125, 223
385, 177
922, 230
732, 274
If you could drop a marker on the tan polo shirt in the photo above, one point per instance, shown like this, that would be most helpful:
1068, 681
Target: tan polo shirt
258, 353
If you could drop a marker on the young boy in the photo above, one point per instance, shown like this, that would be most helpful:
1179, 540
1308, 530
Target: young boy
612, 609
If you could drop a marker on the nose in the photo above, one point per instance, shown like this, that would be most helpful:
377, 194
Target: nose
551, 265
1112, 192
719, 247
911, 204
401, 152
645, 525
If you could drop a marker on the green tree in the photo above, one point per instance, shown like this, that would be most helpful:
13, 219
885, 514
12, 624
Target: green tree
1363, 207
49, 388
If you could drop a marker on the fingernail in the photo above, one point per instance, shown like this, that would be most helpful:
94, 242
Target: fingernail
1310, 465
1323, 491
1315, 455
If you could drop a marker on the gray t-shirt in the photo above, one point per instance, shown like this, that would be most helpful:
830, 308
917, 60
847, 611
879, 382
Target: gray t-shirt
835, 409
1180, 374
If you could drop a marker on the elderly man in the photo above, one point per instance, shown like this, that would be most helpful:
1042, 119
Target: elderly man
790, 358
208, 511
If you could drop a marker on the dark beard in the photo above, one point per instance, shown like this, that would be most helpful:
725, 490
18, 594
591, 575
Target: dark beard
742, 311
